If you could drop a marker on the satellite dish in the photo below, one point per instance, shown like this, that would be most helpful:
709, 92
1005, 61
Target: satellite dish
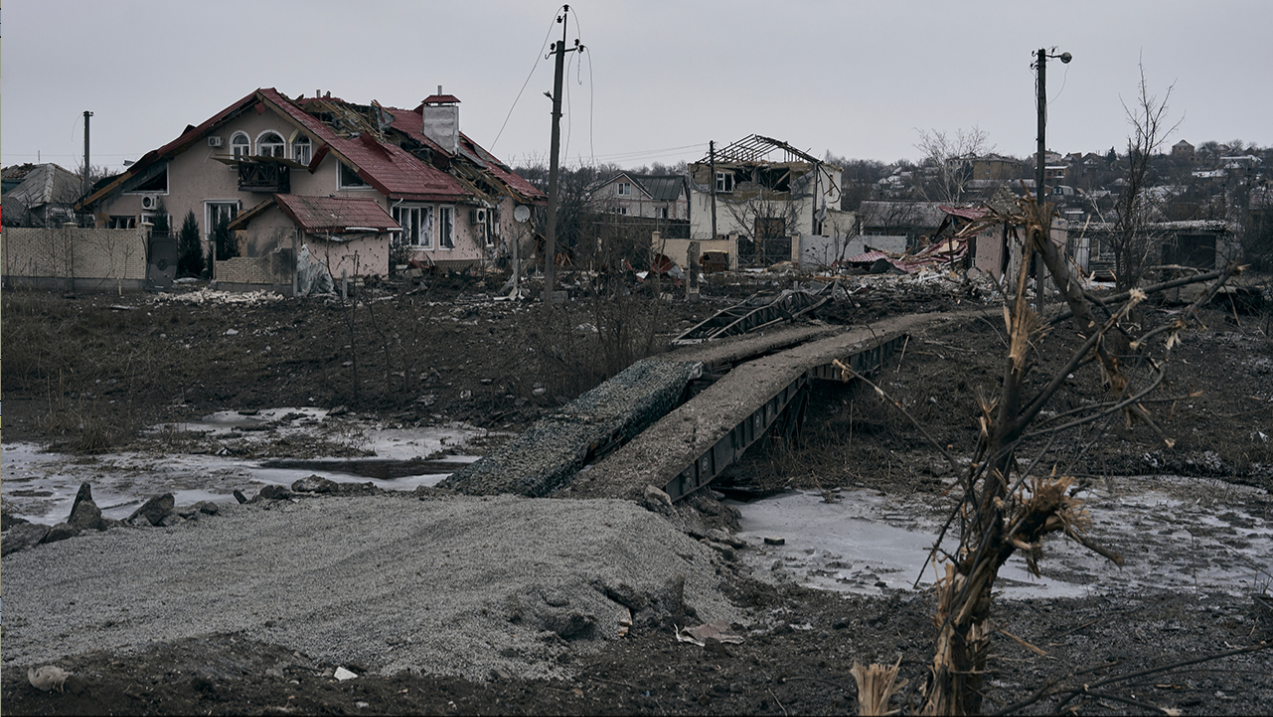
521, 213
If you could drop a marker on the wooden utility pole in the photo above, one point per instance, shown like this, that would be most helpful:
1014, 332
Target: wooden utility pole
550, 241
85, 180
711, 157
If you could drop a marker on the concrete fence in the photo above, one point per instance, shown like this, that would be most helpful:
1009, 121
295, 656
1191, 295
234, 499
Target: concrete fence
71, 258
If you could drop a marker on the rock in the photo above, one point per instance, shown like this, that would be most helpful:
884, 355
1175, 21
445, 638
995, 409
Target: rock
108, 523
721, 536
61, 531
656, 500
726, 551
207, 507
48, 677
272, 492
154, 509
23, 535
171, 519
85, 514
8, 521
315, 484
238, 495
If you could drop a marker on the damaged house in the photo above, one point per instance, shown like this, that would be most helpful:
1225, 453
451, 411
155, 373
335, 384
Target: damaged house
760, 192
272, 181
40, 195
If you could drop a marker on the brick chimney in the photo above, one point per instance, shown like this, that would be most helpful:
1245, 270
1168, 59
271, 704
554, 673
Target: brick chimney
441, 115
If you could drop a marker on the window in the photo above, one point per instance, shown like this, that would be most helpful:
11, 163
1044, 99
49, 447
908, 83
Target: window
302, 150
240, 145
349, 178
446, 227
625, 189
217, 212
660, 212
724, 181
417, 226
121, 222
618, 210
270, 144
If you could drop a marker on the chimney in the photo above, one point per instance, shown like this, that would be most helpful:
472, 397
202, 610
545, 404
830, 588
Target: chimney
441, 115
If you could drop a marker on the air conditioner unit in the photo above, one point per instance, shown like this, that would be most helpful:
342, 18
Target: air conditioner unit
150, 201
477, 216
214, 141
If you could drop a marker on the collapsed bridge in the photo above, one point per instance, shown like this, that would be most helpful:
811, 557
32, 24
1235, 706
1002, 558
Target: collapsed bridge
675, 421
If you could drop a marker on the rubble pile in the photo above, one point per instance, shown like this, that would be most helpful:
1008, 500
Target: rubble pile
210, 296
556, 447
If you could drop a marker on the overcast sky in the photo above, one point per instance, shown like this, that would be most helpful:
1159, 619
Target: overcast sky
657, 80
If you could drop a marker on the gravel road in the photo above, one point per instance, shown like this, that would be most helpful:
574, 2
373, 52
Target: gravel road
464, 586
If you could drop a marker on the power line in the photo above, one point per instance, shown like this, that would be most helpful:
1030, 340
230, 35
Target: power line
538, 56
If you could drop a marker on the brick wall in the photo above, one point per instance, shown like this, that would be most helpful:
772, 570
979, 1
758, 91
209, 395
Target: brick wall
74, 258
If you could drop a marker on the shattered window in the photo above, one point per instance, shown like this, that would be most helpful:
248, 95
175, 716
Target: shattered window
660, 212
240, 145
349, 178
417, 225
724, 181
301, 150
271, 145
122, 222
446, 227
219, 212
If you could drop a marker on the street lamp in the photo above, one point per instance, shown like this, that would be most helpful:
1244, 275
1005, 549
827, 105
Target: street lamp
1041, 65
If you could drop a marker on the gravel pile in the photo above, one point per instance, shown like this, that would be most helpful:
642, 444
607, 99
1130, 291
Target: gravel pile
457, 585
553, 450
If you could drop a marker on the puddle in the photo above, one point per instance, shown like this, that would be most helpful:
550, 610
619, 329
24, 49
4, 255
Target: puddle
1174, 533
41, 487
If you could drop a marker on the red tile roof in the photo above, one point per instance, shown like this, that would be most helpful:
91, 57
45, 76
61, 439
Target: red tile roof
391, 170
316, 215
440, 99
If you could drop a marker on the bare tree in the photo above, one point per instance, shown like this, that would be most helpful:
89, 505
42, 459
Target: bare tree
951, 160
1009, 504
1132, 238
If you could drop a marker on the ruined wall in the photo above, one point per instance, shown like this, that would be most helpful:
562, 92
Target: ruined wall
74, 259
678, 249
813, 252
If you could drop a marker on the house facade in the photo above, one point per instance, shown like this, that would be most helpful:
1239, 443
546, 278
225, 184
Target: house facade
764, 191
40, 195
451, 202
650, 196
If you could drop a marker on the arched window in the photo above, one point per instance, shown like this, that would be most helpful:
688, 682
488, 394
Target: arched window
240, 145
270, 144
301, 150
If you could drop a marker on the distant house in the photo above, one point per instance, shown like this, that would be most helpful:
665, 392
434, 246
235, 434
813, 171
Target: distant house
993, 166
764, 191
263, 167
651, 196
39, 195
1182, 150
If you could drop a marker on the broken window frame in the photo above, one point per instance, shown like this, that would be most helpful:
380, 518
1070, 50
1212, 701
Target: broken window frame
724, 182
271, 144
416, 221
302, 150
215, 211
660, 213
240, 145
349, 178
121, 221
446, 227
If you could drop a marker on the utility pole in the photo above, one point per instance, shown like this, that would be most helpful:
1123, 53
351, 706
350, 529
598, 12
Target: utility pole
550, 241
85, 180
1041, 65
711, 158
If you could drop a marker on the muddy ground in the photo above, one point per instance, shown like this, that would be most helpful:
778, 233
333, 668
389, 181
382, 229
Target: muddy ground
86, 373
